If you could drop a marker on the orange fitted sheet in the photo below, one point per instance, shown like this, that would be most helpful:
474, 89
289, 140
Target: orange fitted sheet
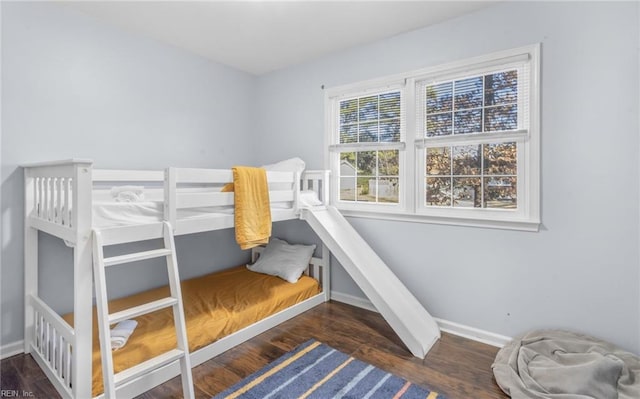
215, 305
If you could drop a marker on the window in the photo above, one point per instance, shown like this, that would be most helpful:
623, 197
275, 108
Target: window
368, 146
455, 144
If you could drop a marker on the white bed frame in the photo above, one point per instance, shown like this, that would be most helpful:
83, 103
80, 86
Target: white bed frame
59, 200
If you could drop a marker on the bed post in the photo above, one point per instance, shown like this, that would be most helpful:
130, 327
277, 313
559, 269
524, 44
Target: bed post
30, 260
326, 273
83, 279
325, 187
170, 187
296, 191
326, 254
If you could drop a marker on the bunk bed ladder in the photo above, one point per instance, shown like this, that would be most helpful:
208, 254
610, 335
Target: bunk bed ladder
104, 238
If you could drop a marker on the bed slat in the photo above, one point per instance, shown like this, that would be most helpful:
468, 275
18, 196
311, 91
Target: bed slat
141, 309
201, 200
57, 215
222, 176
144, 367
67, 202
135, 257
193, 175
56, 230
113, 175
197, 200
51, 345
123, 234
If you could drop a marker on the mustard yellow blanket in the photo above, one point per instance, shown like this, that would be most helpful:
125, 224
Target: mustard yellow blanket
252, 206
215, 306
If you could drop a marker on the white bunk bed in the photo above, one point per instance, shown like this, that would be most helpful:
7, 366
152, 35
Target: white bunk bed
62, 198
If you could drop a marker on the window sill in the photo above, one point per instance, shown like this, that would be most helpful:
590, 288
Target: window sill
519, 225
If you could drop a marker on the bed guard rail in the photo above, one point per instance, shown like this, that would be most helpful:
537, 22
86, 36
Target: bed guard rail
318, 181
52, 345
51, 190
189, 188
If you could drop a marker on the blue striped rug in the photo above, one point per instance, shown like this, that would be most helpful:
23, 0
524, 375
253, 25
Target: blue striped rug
315, 370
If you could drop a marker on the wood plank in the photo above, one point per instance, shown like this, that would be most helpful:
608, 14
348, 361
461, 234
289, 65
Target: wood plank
135, 257
133, 233
143, 309
56, 163
220, 176
21, 373
114, 175
196, 200
456, 367
57, 322
186, 199
57, 230
197, 175
151, 364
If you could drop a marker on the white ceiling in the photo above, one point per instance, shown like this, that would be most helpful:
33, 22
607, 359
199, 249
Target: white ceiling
263, 36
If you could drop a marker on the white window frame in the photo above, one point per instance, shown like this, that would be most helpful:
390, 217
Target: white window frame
412, 159
333, 116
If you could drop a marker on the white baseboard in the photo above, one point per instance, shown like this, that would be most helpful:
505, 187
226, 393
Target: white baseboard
475, 334
11, 349
450, 327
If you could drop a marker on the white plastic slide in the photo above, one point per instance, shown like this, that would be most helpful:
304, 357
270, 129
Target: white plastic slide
408, 318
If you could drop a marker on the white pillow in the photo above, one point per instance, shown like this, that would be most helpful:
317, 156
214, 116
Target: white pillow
288, 165
283, 260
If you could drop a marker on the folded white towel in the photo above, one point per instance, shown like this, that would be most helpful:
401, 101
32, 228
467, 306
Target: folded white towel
128, 193
129, 196
121, 333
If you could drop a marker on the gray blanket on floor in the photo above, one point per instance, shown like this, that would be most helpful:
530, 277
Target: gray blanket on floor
553, 364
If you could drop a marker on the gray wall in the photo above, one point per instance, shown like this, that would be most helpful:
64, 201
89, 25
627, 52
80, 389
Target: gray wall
581, 271
74, 87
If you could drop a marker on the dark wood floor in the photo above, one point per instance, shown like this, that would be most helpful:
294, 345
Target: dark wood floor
455, 367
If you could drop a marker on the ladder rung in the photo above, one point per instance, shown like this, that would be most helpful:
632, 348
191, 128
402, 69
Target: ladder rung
148, 365
142, 309
128, 258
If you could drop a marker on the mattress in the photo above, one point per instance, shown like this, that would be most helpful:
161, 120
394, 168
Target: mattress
215, 305
112, 213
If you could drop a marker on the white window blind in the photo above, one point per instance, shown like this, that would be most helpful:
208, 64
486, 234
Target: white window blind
368, 140
469, 130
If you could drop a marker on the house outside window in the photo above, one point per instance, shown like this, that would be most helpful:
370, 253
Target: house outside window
454, 144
